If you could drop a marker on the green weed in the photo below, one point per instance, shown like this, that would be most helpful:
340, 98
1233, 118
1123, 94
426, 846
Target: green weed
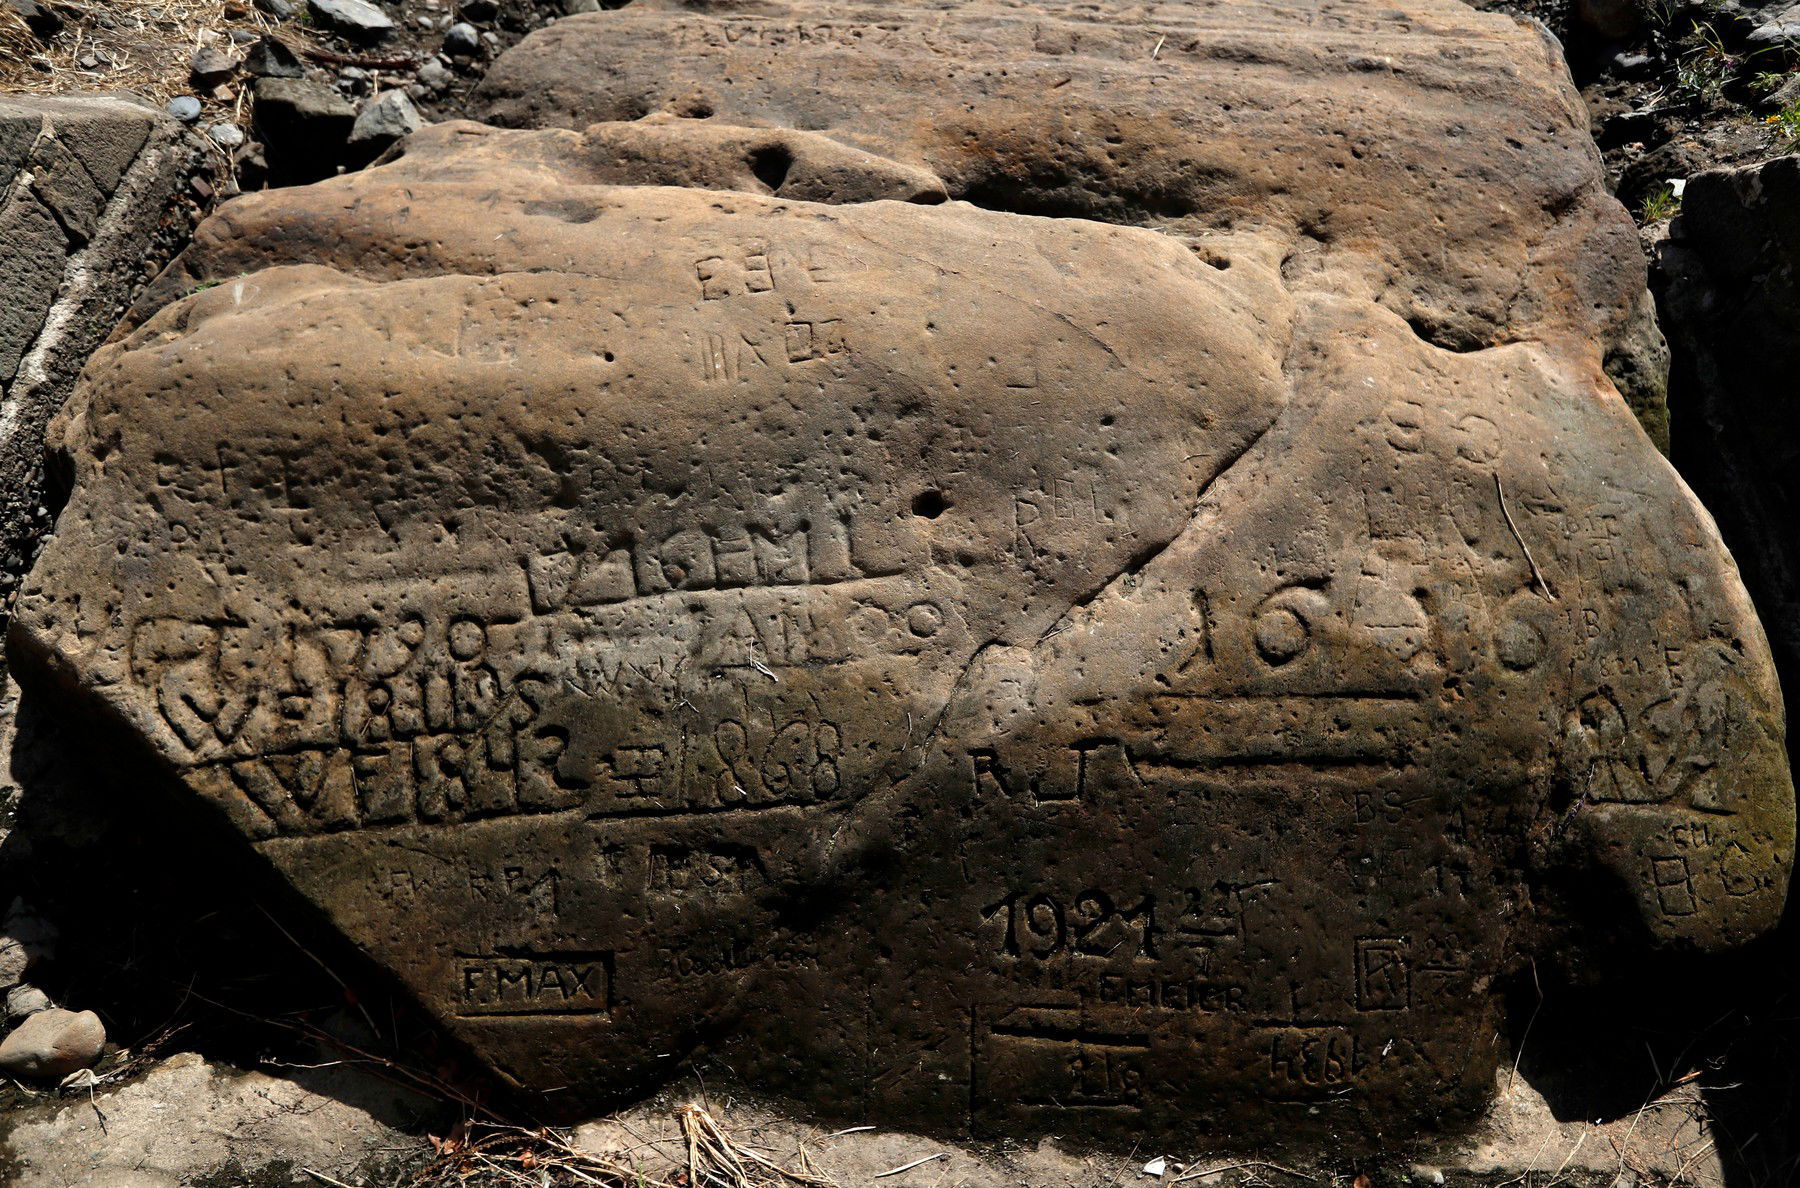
1702, 72
1661, 204
1786, 123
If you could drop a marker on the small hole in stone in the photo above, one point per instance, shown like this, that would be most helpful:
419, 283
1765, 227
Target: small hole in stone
930, 504
770, 164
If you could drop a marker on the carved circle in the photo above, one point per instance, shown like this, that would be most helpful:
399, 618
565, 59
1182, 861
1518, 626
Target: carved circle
1405, 425
924, 619
1281, 634
467, 639
1521, 645
1478, 439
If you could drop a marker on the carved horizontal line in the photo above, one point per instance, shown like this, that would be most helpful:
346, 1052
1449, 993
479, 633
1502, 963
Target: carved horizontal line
717, 810
1399, 695
1067, 1035
1386, 760
535, 1014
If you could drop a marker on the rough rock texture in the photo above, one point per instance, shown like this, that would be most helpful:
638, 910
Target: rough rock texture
683, 588
1728, 278
1371, 134
87, 187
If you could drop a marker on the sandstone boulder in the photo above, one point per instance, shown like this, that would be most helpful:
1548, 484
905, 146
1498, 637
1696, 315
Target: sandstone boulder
684, 588
1439, 154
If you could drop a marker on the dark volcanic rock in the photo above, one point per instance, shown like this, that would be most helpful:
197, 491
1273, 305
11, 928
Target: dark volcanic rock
683, 588
44, 21
211, 66
89, 189
269, 58
353, 18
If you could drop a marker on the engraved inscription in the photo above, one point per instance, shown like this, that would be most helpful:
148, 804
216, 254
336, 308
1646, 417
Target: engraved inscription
534, 984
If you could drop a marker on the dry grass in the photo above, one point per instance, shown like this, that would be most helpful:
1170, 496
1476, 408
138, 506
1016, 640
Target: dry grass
16, 41
494, 1155
143, 46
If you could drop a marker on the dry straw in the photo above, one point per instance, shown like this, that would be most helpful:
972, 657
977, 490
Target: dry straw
508, 1155
140, 46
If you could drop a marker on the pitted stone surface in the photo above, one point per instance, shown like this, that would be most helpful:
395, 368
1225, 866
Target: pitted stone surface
1012, 674
1440, 154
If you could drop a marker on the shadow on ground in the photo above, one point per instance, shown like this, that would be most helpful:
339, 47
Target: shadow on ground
181, 943
1608, 1050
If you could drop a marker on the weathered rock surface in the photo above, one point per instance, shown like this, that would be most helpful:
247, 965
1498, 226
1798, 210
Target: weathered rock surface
683, 587
1380, 137
23, 1000
383, 120
358, 18
86, 187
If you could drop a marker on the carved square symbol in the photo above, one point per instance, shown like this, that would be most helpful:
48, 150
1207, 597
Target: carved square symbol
1674, 885
1383, 976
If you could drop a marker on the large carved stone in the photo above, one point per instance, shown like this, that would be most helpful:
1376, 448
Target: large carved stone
1004, 672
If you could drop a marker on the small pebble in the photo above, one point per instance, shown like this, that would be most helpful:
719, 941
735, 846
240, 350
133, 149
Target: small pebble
24, 1000
226, 135
463, 40
185, 108
51, 1044
211, 66
435, 76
